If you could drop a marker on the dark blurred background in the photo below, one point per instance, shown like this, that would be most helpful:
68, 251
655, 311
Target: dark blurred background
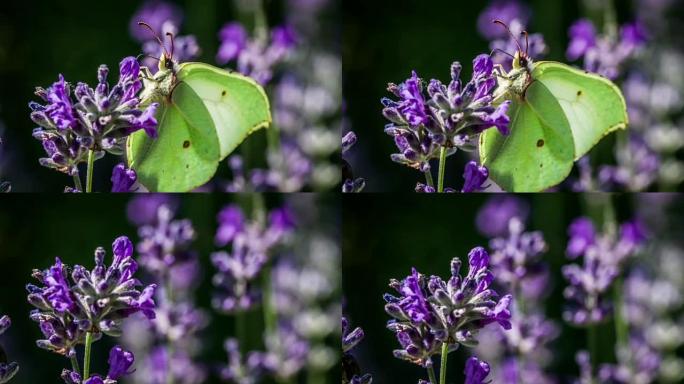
35, 231
41, 39
384, 40
384, 238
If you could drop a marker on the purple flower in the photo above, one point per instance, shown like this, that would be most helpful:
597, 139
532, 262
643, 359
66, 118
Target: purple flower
155, 13
504, 10
582, 236
255, 58
637, 166
237, 371
63, 309
289, 170
517, 261
123, 178
165, 244
120, 361
233, 40
449, 116
350, 339
475, 176
7, 370
494, 217
250, 243
430, 311
582, 38
476, 371
423, 188
604, 55
143, 209
97, 119
350, 184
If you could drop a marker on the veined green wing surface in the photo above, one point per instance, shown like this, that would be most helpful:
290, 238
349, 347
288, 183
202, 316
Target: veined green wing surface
592, 104
208, 114
539, 151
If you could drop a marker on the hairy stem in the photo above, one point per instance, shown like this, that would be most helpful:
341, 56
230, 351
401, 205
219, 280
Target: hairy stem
621, 326
89, 175
86, 358
428, 178
431, 375
443, 365
270, 315
77, 182
442, 165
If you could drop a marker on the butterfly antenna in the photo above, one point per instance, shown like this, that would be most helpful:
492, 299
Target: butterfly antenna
170, 35
154, 34
146, 55
502, 51
527, 42
497, 21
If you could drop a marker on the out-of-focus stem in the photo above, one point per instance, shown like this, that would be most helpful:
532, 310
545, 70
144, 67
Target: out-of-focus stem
74, 363
431, 374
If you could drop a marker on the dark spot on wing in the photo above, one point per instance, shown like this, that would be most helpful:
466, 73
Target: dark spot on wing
541, 165
223, 93
579, 93
187, 166
186, 144
540, 143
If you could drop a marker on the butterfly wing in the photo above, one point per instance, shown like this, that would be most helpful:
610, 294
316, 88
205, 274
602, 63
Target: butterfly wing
185, 155
237, 104
538, 152
592, 104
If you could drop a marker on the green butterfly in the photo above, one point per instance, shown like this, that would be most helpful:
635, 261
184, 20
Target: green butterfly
204, 114
558, 113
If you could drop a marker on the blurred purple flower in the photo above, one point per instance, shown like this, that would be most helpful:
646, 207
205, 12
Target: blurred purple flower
604, 55
255, 58
155, 13
165, 244
504, 10
142, 209
494, 217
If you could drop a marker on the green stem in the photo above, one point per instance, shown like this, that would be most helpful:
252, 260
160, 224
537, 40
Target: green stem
443, 366
89, 175
621, 326
442, 165
428, 178
170, 347
260, 22
77, 182
86, 358
270, 316
593, 348
315, 376
610, 25
431, 375
74, 363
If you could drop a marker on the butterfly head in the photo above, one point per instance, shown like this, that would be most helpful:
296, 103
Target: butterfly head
521, 59
166, 60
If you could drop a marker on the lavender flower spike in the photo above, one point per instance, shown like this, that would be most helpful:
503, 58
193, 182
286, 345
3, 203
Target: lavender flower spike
70, 305
430, 312
351, 374
7, 370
